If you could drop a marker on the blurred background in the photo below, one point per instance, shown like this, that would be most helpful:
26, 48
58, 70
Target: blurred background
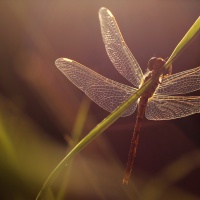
42, 114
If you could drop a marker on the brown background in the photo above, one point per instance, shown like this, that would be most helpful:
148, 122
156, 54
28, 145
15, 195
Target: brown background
39, 105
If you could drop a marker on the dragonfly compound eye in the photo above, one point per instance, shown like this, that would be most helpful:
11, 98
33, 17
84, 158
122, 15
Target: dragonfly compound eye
151, 63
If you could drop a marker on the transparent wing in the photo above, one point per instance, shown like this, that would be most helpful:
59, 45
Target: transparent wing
180, 83
117, 50
161, 107
105, 92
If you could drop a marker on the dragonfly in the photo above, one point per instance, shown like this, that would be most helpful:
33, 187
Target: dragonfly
162, 101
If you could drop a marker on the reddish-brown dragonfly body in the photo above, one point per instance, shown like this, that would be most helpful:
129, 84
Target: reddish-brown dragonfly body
154, 64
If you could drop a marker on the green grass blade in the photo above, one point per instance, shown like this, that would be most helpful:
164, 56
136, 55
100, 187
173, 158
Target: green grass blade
76, 133
111, 118
189, 36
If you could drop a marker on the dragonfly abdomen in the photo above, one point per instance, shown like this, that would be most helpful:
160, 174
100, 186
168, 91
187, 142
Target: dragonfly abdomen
134, 141
154, 65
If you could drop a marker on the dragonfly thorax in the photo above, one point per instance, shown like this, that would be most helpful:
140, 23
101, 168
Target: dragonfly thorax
154, 67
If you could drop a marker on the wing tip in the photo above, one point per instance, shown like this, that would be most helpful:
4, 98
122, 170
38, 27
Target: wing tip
103, 9
60, 61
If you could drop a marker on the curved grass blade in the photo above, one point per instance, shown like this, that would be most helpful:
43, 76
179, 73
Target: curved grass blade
111, 118
75, 135
189, 36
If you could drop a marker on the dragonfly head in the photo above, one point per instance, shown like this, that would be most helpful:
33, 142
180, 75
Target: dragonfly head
155, 63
